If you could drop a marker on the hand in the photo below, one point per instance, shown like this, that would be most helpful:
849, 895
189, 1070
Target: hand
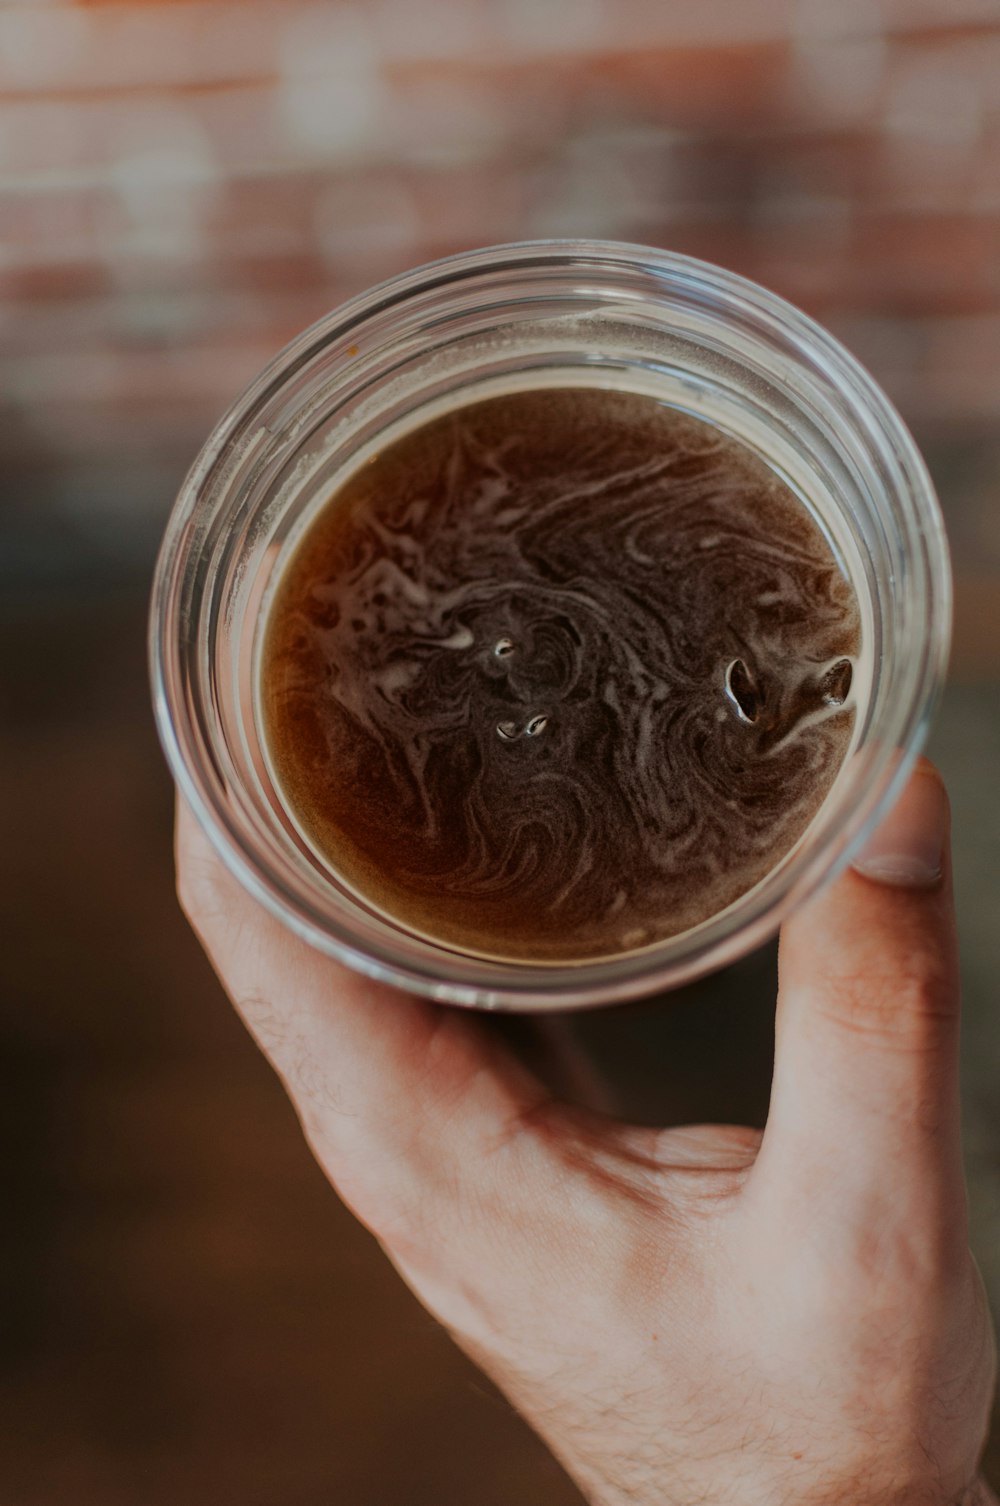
688, 1315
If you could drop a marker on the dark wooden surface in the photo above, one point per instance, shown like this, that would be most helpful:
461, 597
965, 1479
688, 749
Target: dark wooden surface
189, 1314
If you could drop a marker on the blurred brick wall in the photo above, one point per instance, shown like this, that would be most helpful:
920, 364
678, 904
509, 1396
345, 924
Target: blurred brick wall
184, 184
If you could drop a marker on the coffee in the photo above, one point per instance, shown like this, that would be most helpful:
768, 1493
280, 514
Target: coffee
558, 674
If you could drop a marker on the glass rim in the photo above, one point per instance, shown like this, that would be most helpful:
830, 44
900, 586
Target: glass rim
449, 975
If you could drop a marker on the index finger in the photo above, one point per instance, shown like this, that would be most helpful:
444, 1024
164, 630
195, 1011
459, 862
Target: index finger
394, 1093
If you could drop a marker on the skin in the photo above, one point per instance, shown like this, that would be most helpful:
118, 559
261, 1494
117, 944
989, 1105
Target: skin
695, 1315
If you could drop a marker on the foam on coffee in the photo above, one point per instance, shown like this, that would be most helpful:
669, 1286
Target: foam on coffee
558, 674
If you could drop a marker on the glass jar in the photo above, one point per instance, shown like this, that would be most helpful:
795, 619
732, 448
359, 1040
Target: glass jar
515, 317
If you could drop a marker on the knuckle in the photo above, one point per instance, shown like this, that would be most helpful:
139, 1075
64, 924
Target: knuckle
898, 1259
186, 889
910, 1006
199, 891
266, 1023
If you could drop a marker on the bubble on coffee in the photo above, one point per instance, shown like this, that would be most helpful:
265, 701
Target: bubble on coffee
559, 674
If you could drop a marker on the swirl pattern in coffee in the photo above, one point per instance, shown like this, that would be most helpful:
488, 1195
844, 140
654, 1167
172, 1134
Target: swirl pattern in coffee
559, 674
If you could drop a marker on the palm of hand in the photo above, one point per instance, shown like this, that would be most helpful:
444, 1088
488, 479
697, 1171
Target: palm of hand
664, 1309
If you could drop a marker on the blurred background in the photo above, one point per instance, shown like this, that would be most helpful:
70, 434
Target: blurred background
185, 184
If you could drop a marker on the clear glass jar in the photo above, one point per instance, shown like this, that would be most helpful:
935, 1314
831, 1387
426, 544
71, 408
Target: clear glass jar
521, 316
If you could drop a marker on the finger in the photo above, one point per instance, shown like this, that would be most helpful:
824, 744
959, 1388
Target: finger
397, 1095
866, 1059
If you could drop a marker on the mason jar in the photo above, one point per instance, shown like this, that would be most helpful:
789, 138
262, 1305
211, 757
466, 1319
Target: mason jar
514, 318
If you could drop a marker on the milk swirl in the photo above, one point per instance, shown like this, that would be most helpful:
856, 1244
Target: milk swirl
559, 674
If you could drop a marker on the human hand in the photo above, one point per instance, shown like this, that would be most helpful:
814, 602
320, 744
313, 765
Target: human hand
687, 1315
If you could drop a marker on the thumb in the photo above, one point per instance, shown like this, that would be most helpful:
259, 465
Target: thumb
866, 1054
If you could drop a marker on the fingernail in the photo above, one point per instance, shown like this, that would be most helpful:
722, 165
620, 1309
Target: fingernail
908, 848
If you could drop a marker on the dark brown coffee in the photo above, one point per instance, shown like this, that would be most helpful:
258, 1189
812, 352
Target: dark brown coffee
559, 674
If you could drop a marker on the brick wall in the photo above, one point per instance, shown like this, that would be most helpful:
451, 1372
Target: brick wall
185, 183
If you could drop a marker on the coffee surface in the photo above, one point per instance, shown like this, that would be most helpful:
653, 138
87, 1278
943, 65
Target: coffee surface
559, 674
